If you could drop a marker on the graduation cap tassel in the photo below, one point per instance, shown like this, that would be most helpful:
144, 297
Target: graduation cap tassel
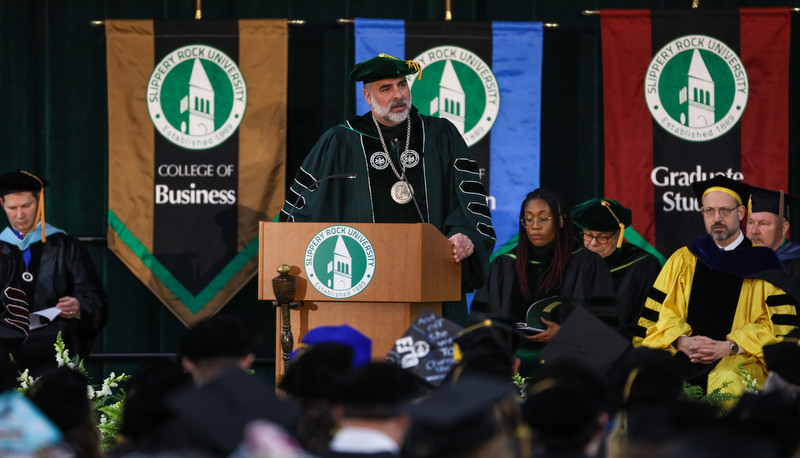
621, 226
40, 209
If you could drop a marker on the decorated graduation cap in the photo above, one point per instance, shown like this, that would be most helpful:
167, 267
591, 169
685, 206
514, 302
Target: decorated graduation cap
457, 417
381, 67
488, 347
736, 189
767, 200
606, 215
22, 181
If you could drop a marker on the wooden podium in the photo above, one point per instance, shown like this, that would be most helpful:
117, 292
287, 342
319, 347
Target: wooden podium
413, 270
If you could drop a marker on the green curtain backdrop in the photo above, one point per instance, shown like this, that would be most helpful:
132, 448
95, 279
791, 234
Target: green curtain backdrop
54, 115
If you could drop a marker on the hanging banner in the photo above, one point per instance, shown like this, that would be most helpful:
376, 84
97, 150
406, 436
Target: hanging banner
486, 79
689, 94
197, 128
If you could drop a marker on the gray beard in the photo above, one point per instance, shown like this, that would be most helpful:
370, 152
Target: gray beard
387, 112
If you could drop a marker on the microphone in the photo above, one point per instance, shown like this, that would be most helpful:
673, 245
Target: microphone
314, 186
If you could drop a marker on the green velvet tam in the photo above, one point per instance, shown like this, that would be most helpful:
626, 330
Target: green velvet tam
381, 67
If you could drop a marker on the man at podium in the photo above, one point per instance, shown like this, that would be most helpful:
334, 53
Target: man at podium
395, 165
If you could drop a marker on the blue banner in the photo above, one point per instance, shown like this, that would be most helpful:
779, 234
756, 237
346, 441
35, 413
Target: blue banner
494, 70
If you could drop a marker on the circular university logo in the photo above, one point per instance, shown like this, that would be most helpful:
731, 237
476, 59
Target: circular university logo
696, 88
196, 97
458, 85
339, 261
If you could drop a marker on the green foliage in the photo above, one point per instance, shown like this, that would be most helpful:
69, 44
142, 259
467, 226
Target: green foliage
520, 382
722, 400
108, 399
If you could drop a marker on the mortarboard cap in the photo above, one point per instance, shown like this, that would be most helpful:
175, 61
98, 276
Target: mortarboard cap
220, 335
587, 339
563, 402
645, 376
381, 67
457, 417
314, 369
488, 347
61, 394
736, 189
217, 412
767, 200
361, 344
20, 181
783, 358
375, 390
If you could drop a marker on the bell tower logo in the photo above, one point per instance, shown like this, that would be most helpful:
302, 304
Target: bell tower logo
457, 85
196, 97
696, 88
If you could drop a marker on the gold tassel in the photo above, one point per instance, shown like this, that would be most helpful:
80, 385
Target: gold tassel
621, 226
40, 209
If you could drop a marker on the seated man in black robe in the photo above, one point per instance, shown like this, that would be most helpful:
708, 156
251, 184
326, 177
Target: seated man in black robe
53, 271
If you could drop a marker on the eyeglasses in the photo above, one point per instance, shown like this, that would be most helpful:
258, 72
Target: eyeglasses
602, 239
529, 220
723, 211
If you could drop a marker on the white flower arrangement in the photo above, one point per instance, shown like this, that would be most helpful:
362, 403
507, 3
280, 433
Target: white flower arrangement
106, 402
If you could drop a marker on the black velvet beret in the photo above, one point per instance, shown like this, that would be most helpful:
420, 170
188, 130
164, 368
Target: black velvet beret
595, 215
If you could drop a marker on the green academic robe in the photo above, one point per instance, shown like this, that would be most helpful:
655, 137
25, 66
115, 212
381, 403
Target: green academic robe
443, 174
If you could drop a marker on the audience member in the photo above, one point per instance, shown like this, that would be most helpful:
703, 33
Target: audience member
369, 411
467, 420
61, 393
218, 345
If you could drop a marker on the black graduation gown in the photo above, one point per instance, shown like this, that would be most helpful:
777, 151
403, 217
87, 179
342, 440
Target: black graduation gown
634, 271
60, 268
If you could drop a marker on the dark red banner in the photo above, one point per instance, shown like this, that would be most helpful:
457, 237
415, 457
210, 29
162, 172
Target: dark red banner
687, 95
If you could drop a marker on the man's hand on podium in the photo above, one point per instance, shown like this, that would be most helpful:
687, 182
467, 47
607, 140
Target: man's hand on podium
462, 246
